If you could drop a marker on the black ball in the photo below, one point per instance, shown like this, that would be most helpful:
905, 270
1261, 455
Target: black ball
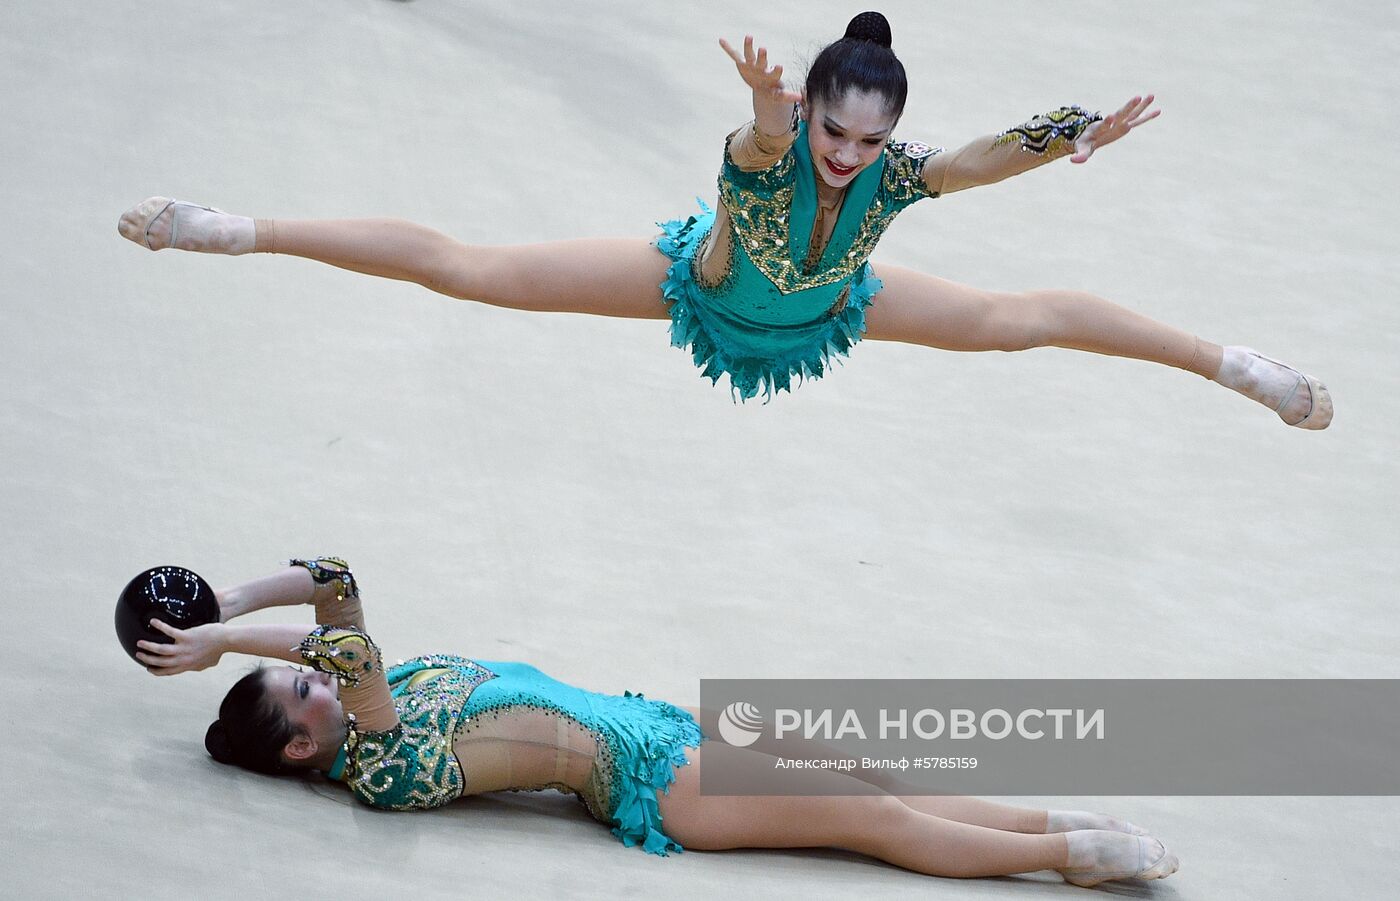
171, 594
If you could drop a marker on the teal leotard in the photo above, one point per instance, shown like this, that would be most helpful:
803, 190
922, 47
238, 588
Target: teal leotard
441, 699
774, 316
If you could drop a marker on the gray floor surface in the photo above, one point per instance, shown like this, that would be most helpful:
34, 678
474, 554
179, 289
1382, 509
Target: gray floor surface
568, 491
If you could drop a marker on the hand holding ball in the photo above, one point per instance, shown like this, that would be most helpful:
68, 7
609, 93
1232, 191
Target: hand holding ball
171, 594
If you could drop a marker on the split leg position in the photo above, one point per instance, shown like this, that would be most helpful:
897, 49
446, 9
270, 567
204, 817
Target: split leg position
977, 838
620, 277
915, 308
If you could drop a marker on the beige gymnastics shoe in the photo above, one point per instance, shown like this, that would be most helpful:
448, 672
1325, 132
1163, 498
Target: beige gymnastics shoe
157, 223
1102, 856
1299, 399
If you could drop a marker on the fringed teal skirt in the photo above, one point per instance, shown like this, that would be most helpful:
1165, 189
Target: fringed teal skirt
747, 330
650, 739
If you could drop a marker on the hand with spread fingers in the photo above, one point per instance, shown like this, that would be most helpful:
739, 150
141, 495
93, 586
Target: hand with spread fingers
189, 650
753, 68
772, 101
1114, 126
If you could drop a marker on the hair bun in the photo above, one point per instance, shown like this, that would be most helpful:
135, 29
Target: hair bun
870, 26
216, 743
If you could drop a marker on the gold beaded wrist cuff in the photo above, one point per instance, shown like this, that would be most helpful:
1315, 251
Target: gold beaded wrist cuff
341, 651
1052, 133
328, 570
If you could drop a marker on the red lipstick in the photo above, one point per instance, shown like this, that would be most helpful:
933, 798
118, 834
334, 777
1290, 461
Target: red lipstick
837, 170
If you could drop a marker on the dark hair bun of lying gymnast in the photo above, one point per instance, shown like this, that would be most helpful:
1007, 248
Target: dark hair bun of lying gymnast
252, 729
172, 594
870, 26
216, 743
860, 61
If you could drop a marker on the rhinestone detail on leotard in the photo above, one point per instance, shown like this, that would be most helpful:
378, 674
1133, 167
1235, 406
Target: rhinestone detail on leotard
760, 208
1052, 133
414, 765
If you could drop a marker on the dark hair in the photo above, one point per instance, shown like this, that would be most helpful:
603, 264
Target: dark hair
862, 61
252, 728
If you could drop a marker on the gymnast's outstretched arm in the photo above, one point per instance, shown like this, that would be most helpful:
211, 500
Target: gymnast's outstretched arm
1021, 148
200, 647
338, 646
325, 582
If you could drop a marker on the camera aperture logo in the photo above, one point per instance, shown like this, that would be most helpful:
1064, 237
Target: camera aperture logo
740, 724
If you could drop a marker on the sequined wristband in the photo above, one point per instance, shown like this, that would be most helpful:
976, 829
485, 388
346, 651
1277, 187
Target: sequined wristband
341, 651
327, 570
1052, 133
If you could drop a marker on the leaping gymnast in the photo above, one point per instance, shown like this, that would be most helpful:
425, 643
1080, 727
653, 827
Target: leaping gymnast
776, 281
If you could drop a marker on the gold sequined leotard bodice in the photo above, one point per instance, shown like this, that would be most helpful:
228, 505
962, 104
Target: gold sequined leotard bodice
467, 727
435, 728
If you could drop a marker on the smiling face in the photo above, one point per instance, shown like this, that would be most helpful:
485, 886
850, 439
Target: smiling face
846, 136
311, 702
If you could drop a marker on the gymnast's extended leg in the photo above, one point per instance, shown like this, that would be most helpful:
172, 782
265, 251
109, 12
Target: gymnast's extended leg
846, 816
922, 309
963, 809
601, 276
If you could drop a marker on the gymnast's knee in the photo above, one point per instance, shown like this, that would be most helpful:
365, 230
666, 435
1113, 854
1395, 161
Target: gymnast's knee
1017, 322
453, 268
884, 826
